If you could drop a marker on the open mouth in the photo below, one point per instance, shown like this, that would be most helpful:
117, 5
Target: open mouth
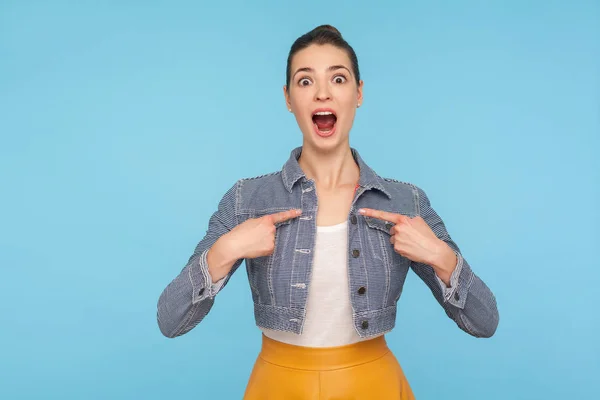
324, 122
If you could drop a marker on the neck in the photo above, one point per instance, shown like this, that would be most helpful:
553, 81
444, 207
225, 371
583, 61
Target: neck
330, 169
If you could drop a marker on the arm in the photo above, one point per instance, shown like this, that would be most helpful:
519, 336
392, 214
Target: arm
467, 300
190, 296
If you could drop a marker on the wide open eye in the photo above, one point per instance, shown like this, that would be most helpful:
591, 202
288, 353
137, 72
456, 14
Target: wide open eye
304, 82
339, 79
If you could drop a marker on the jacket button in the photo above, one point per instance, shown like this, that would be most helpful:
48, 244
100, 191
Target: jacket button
456, 296
362, 290
355, 253
353, 219
201, 292
365, 324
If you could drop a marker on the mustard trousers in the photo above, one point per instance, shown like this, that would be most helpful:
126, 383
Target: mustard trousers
365, 370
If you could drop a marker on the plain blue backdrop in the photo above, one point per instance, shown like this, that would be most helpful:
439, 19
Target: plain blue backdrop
123, 123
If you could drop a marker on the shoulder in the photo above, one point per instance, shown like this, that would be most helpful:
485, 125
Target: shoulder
399, 186
391, 182
263, 177
261, 192
399, 189
255, 181
259, 181
251, 184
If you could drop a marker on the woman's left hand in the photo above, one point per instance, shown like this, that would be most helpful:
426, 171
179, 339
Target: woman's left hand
414, 239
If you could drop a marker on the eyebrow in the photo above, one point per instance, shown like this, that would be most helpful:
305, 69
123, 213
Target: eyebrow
332, 68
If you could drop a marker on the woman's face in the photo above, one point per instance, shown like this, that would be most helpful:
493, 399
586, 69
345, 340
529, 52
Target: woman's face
323, 94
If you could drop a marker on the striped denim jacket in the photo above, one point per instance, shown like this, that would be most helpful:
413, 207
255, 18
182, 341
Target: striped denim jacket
280, 282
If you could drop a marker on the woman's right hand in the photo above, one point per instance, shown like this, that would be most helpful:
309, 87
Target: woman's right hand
252, 238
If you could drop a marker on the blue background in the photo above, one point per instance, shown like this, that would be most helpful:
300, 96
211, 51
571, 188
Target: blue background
123, 123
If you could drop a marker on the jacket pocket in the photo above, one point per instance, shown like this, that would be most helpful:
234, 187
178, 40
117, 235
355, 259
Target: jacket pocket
379, 224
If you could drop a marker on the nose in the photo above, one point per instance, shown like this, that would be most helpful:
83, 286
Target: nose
322, 93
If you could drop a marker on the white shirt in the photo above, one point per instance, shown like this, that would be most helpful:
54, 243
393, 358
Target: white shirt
328, 319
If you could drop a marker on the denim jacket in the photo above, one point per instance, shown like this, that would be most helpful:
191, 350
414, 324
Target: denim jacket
280, 282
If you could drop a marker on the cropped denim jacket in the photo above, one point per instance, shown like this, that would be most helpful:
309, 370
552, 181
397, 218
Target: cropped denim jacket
280, 282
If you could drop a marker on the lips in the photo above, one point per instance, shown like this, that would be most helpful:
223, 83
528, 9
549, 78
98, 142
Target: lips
324, 120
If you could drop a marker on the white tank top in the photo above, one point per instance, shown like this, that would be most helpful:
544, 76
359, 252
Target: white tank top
328, 319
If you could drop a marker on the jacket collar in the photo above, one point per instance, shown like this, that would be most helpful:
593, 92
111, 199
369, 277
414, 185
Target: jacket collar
368, 179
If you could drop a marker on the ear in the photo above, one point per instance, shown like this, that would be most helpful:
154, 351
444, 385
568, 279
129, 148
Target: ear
359, 99
288, 103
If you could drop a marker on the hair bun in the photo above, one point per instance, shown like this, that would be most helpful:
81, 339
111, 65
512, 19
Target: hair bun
327, 28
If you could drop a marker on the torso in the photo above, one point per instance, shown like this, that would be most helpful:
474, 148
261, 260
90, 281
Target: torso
328, 309
328, 318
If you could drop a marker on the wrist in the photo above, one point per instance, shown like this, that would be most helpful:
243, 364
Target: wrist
220, 258
444, 262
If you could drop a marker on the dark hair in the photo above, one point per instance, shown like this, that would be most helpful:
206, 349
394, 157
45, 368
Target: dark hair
323, 34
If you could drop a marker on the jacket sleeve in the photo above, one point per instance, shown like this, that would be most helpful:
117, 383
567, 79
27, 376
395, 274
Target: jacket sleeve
468, 301
188, 298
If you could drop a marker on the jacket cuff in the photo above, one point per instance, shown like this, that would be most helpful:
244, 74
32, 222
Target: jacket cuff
202, 284
460, 280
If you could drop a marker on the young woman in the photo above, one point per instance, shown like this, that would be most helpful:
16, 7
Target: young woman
327, 244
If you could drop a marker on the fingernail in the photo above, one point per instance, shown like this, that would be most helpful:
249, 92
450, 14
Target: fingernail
298, 211
361, 210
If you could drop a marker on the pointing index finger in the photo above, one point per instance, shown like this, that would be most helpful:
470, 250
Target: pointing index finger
285, 215
383, 215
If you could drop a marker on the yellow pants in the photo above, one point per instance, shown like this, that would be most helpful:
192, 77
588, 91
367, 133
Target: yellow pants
365, 370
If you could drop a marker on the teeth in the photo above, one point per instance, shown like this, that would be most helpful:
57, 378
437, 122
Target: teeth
324, 113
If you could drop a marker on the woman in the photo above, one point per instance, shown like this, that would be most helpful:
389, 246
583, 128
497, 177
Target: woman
327, 244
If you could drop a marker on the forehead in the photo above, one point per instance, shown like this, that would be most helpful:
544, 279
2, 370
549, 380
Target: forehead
320, 57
